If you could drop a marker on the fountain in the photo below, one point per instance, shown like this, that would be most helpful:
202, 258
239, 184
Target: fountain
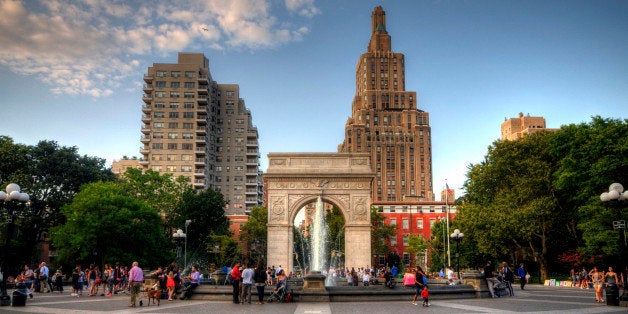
314, 281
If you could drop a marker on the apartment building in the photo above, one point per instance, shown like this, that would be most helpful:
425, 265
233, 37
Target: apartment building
201, 130
515, 128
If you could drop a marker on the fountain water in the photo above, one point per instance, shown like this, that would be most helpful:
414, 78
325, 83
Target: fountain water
318, 235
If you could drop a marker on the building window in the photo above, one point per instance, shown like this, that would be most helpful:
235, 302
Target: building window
175, 74
190, 74
404, 223
158, 125
175, 84
419, 223
160, 84
173, 135
186, 157
158, 146
159, 114
187, 146
393, 222
173, 115
173, 125
189, 84
188, 105
187, 136
160, 105
432, 221
186, 168
405, 240
156, 168
188, 126
188, 95
174, 105
393, 241
171, 168
160, 74
159, 94
174, 94
188, 115
172, 145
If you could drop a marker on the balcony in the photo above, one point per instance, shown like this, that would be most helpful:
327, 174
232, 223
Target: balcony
201, 109
199, 173
202, 99
251, 144
148, 78
144, 151
201, 120
145, 139
201, 139
146, 130
146, 119
199, 151
202, 90
199, 161
199, 182
147, 98
144, 162
251, 182
201, 130
148, 88
146, 109
202, 79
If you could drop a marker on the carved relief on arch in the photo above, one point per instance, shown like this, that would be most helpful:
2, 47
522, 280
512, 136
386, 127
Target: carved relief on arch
360, 208
278, 206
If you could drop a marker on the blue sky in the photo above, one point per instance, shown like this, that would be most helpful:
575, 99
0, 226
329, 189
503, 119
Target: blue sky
71, 71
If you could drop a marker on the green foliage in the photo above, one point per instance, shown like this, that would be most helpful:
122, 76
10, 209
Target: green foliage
539, 195
254, 232
335, 230
225, 248
51, 175
206, 210
380, 233
105, 224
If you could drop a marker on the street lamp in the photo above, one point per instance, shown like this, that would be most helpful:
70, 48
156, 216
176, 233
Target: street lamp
457, 236
11, 198
180, 235
614, 195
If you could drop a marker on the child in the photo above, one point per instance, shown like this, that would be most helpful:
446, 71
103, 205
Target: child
425, 295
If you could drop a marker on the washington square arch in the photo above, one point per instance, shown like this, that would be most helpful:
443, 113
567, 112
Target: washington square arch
294, 180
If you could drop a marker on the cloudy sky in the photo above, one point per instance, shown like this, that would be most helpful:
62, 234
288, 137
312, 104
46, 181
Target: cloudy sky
71, 71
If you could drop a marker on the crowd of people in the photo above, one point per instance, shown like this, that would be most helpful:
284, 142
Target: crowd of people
111, 279
596, 279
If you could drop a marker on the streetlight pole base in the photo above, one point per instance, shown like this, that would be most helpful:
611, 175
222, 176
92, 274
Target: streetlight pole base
5, 300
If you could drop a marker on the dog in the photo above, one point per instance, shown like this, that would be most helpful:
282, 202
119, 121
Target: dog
153, 294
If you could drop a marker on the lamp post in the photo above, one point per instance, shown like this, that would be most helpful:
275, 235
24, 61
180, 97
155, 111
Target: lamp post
11, 198
180, 235
457, 236
614, 196
442, 220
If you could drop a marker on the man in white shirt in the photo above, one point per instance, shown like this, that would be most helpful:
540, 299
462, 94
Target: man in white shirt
247, 283
44, 272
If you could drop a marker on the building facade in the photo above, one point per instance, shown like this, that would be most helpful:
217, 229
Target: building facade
201, 130
515, 128
386, 122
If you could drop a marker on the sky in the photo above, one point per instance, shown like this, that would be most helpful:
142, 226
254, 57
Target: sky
71, 71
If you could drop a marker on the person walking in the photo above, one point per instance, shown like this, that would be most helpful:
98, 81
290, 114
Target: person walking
236, 279
259, 277
521, 272
508, 277
597, 278
136, 277
247, 283
59, 279
44, 272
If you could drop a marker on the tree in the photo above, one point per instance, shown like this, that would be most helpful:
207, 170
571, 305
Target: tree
52, 175
592, 156
206, 210
416, 246
380, 234
105, 224
335, 234
225, 248
254, 232
510, 201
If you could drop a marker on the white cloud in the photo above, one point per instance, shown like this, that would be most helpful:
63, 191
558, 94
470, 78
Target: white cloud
88, 47
302, 7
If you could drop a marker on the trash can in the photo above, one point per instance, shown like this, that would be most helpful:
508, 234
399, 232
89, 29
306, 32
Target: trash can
19, 299
612, 295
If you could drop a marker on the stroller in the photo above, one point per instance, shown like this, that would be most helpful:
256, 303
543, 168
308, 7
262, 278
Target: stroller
279, 294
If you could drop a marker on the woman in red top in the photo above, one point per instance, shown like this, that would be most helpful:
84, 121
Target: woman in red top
236, 278
170, 285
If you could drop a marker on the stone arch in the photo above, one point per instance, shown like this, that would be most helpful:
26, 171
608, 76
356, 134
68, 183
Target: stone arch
296, 179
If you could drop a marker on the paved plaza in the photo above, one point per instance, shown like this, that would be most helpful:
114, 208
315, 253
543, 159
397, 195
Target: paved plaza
535, 299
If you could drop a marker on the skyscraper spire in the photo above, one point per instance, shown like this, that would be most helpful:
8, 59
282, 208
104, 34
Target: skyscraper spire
380, 40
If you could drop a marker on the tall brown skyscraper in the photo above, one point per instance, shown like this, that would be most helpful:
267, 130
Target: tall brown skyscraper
386, 122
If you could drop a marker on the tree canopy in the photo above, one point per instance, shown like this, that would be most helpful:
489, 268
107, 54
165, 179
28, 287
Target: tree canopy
107, 224
538, 196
